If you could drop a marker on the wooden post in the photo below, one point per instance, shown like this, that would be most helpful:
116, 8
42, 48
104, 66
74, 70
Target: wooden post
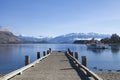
50, 50
76, 55
71, 53
69, 50
38, 55
44, 53
84, 61
27, 60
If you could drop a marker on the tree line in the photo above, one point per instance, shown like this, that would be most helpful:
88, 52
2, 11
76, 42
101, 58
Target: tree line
113, 39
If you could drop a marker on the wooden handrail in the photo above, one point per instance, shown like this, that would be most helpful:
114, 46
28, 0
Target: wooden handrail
19, 71
92, 74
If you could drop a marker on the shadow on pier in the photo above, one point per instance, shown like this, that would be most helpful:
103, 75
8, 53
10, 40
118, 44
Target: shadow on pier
81, 74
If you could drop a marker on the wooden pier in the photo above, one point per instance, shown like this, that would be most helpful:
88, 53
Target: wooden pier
55, 65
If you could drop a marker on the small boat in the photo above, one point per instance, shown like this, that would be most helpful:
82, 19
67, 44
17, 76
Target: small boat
97, 46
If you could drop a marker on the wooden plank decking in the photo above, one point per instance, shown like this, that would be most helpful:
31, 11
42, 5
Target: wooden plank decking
57, 66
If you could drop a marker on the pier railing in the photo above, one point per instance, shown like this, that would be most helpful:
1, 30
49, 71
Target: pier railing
19, 71
83, 65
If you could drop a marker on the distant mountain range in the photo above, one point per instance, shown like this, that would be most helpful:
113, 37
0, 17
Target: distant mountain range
9, 37
68, 38
26, 39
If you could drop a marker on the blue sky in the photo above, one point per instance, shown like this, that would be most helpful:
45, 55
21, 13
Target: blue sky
57, 17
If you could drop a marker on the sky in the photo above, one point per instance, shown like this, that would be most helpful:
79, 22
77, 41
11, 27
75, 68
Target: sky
58, 17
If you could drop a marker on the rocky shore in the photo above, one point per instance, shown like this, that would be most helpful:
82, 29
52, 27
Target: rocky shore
109, 75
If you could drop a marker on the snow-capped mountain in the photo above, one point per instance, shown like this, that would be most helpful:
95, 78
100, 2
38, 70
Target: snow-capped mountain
68, 38
32, 39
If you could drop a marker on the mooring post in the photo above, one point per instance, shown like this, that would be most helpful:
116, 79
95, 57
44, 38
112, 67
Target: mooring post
71, 53
84, 61
44, 53
38, 55
48, 52
76, 55
27, 60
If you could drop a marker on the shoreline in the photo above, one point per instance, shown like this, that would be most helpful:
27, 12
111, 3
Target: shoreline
109, 75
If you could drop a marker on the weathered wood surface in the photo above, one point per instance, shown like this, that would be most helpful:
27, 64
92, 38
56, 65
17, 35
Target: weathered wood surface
19, 71
57, 66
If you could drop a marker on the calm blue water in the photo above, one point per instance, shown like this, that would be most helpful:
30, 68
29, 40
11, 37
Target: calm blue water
12, 55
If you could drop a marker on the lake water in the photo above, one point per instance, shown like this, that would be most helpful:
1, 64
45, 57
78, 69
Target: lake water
12, 55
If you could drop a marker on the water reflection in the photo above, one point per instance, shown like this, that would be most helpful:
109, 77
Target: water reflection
115, 48
96, 50
6, 49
